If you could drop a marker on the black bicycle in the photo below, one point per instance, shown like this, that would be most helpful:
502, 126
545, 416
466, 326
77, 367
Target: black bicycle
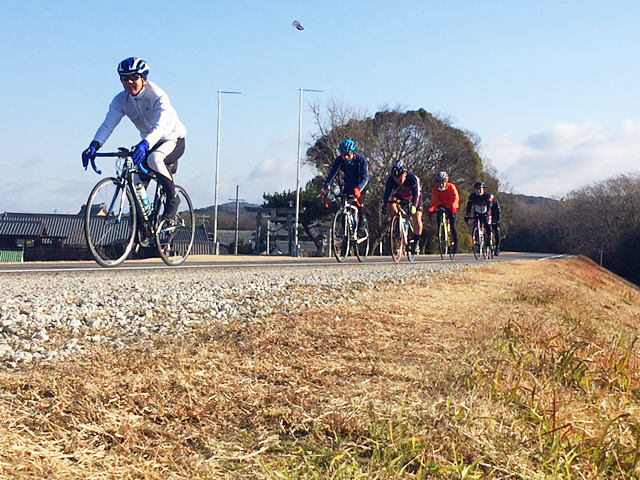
349, 230
117, 221
400, 232
483, 244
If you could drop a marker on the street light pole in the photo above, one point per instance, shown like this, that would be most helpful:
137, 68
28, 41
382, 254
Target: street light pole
296, 243
215, 208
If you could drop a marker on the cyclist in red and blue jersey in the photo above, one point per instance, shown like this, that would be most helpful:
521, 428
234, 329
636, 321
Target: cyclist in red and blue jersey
404, 186
148, 107
354, 166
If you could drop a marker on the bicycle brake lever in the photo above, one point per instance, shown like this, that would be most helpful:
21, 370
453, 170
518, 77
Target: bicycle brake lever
93, 165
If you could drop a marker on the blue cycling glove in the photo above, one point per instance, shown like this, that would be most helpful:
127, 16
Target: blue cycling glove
90, 153
140, 152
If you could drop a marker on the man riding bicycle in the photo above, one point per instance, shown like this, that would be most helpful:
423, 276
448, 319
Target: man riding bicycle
404, 186
354, 166
163, 135
445, 194
480, 204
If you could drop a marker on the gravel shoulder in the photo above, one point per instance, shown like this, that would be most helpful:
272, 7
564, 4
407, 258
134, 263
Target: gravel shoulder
53, 316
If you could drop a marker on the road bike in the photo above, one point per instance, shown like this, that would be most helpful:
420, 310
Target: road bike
483, 241
117, 223
400, 232
445, 237
348, 230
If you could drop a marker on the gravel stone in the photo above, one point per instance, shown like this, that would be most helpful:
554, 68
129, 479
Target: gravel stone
49, 317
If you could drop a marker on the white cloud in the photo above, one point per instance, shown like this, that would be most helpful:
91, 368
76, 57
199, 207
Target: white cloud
565, 157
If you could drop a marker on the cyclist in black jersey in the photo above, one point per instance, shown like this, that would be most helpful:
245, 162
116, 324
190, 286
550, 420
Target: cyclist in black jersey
485, 206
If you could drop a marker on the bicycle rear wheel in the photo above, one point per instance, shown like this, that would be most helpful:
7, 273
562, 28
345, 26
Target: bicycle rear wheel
492, 246
451, 247
340, 236
411, 249
110, 222
477, 245
174, 238
396, 238
443, 239
486, 254
362, 239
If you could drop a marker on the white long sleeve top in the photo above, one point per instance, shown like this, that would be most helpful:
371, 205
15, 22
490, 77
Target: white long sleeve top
150, 111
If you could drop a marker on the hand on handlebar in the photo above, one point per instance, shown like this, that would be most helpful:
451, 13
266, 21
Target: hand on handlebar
139, 152
323, 196
90, 154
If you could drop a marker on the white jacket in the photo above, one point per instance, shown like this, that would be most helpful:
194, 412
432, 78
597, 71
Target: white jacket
151, 113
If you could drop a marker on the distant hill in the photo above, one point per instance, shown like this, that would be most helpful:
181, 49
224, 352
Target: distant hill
526, 199
227, 215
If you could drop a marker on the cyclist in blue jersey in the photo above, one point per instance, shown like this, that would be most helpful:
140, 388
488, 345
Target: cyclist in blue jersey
162, 133
402, 185
354, 166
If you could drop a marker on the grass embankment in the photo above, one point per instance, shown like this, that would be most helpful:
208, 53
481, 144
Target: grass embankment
518, 370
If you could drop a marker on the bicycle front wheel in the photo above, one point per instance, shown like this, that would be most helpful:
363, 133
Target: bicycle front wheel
362, 239
340, 236
174, 238
477, 242
110, 222
396, 238
443, 240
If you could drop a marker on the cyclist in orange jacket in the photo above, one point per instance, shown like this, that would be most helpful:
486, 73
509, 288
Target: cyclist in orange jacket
445, 194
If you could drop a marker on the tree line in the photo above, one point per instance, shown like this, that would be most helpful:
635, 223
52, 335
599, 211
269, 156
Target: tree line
425, 143
600, 221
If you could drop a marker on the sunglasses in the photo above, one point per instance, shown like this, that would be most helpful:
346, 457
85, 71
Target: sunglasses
130, 78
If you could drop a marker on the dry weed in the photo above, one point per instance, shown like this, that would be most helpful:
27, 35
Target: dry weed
516, 370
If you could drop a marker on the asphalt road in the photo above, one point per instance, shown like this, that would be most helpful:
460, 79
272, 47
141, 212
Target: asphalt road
244, 261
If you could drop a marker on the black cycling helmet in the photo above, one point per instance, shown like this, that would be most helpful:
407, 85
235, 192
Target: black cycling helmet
398, 169
478, 185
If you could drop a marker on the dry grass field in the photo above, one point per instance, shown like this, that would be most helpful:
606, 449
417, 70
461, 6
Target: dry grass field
517, 370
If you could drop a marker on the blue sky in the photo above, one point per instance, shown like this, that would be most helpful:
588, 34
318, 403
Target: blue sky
549, 86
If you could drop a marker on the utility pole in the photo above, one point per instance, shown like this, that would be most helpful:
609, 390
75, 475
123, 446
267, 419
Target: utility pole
215, 201
238, 200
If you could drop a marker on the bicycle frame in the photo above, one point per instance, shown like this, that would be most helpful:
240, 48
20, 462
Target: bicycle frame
402, 218
347, 222
112, 235
445, 240
484, 247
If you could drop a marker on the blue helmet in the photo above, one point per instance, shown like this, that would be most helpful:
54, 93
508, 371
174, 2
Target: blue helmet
133, 65
398, 169
347, 146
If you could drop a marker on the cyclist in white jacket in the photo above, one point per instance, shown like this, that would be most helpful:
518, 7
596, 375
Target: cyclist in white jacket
163, 135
